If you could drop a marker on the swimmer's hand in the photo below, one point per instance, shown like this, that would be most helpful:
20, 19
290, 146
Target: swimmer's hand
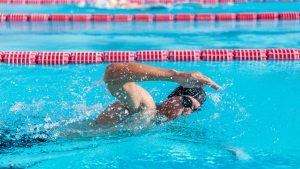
194, 79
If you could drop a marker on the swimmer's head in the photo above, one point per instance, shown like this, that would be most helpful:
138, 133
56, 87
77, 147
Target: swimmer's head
182, 101
197, 93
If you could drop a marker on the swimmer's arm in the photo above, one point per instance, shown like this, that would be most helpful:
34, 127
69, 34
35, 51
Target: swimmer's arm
130, 72
122, 73
120, 79
112, 115
128, 5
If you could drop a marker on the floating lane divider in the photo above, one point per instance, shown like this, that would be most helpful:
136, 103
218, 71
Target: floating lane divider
138, 1
149, 17
59, 58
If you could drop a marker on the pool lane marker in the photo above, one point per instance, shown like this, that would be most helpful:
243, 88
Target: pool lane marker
85, 57
154, 55
52, 58
149, 17
141, 2
59, 58
2, 54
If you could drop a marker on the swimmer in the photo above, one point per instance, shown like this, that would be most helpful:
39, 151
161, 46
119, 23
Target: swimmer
120, 79
126, 4
116, 4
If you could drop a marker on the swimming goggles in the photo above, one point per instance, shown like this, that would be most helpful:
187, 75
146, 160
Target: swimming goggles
188, 103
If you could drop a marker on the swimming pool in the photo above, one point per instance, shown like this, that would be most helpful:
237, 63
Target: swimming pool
257, 111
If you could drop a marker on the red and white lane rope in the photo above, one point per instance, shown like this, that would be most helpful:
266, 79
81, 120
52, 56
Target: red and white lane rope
137, 1
149, 17
51, 58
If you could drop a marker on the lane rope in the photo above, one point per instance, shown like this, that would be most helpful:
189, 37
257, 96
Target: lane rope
54, 58
149, 17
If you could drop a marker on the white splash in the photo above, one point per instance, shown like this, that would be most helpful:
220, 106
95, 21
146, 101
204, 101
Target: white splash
17, 107
238, 153
216, 97
215, 116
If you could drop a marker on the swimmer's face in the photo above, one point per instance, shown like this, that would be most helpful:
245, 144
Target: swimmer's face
178, 105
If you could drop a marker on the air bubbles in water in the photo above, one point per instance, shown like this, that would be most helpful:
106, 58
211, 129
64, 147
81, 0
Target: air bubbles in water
18, 106
216, 98
215, 116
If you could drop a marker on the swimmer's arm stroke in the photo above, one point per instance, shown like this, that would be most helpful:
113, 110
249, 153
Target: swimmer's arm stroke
122, 73
120, 79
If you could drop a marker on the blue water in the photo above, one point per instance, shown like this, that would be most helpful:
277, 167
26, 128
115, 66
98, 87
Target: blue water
257, 112
148, 36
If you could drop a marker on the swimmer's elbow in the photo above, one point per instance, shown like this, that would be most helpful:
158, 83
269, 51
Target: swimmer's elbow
110, 71
118, 72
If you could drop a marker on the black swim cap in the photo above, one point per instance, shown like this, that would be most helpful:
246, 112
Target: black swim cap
197, 93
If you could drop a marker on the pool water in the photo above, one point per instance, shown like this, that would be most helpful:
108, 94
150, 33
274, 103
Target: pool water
256, 112
148, 36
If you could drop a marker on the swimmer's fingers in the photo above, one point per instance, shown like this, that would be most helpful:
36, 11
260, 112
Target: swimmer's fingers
213, 84
205, 81
210, 84
195, 79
